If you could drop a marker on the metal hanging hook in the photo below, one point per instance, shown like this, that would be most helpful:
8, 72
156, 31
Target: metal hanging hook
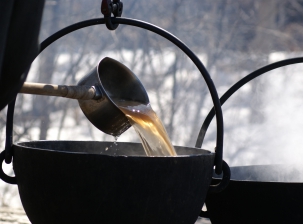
109, 7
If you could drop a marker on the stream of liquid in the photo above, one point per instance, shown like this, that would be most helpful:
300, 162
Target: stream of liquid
149, 127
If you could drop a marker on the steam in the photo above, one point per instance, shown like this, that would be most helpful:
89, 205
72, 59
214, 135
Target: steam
276, 138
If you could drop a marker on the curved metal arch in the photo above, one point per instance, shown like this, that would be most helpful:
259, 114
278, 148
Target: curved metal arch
178, 43
237, 86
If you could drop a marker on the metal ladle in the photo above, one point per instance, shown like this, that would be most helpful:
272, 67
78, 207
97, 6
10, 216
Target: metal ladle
95, 92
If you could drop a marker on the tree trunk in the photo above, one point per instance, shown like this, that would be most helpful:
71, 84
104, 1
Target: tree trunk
46, 69
265, 37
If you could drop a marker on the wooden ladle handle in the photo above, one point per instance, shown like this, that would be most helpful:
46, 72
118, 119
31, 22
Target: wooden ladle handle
72, 92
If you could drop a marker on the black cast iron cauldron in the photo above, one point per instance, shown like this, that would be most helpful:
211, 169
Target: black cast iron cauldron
256, 194
72, 182
81, 182
259, 194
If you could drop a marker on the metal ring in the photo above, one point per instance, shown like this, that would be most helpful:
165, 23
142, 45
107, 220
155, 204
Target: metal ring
109, 24
178, 43
3, 176
218, 187
224, 182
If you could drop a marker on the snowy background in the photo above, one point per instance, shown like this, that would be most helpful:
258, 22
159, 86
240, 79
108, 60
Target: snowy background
263, 120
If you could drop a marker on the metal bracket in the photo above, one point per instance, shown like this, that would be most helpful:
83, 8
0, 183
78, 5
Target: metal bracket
109, 7
4, 176
224, 182
99, 92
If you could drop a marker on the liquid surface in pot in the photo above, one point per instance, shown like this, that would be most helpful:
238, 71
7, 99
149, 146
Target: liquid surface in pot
149, 127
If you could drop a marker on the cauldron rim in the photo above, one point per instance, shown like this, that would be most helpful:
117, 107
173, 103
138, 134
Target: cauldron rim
22, 144
267, 182
259, 181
